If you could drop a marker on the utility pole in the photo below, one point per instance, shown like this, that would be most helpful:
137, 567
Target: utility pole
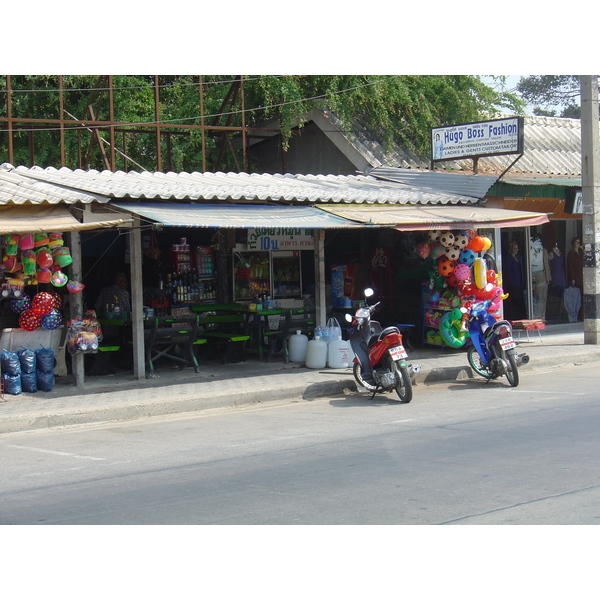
590, 221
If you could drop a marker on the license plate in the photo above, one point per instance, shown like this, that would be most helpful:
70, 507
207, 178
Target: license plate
507, 343
398, 352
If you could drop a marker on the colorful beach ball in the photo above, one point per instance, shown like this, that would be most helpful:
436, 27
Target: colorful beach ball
43, 302
52, 320
30, 319
18, 305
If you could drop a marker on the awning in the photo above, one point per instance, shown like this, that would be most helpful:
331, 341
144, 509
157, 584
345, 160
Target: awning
237, 216
415, 218
41, 219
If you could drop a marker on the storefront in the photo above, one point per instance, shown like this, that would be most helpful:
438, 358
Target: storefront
40, 286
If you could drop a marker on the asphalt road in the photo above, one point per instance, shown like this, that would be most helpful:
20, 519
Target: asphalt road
460, 454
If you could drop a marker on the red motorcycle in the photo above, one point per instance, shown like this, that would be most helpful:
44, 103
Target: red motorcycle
379, 355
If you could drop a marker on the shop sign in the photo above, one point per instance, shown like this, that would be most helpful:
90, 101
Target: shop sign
484, 138
280, 238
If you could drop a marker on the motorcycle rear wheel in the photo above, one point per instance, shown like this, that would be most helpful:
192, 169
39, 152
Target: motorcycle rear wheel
403, 383
513, 373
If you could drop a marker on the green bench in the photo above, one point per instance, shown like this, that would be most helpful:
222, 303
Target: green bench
174, 338
227, 328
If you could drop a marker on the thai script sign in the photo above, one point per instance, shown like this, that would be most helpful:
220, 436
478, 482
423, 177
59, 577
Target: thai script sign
280, 238
485, 138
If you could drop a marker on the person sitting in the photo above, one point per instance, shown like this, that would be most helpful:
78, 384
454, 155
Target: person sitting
113, 295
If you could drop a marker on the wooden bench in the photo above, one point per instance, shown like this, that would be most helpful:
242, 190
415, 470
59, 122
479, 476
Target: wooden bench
527, 326
229, 329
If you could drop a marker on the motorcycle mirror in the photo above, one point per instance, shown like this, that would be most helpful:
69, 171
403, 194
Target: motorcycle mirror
369, 292
348, 317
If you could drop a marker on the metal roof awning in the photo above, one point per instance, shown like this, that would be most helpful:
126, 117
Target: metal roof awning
415, 218
237, 216
43, 218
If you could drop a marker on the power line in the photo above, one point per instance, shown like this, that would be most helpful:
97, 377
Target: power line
223, 114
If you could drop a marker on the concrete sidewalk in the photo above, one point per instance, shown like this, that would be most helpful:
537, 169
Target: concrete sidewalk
122, 397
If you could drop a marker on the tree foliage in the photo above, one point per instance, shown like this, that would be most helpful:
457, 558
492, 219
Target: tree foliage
552, 95
397, 109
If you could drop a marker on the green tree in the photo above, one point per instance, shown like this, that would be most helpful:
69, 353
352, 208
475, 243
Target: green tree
397, 109
552, 95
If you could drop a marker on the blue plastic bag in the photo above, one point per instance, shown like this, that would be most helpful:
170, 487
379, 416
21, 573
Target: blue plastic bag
45, 381
12, 384
10, 363
27, 359
45, 360
29, 382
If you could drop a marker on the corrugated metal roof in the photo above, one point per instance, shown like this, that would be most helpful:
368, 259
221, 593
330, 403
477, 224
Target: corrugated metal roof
552, 146
17, 188
458, 183
238, 187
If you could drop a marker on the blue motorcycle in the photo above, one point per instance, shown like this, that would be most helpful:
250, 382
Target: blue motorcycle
493, 352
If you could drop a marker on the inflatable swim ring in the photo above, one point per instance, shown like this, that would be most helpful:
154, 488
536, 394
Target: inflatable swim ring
450, 329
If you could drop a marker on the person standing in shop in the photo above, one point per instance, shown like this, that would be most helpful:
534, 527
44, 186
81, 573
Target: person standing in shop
540, 274
513, 283
575, 269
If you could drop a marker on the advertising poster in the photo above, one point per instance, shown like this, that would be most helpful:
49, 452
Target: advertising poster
342, 285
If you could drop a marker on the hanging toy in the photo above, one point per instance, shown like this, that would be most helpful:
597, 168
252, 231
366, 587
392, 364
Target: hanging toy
58, 279
447, 239
26, 241
52, 320
43, 302
434, 234
461, 239
40, 239
467, 256
55, 240
18, 305
75, 287
453, 253
44, 258
423, 249
43, 276
480, 273
445, 267
451, 328
30, 319
11, 244
62, 256
436, 250
462, 272
57, 298
476, 244
487, 244
11, 264
28, 260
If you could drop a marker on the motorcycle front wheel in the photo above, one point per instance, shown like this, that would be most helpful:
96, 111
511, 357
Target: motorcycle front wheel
403, 383
476, 364
359, 379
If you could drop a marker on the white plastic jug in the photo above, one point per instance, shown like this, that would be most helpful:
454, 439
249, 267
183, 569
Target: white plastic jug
297, 347
339, 354
316, 353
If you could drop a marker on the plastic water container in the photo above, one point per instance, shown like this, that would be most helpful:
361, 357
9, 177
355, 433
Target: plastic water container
297, 347
316, 354
339, 354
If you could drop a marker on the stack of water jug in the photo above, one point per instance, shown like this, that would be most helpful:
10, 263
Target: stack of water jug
326, 349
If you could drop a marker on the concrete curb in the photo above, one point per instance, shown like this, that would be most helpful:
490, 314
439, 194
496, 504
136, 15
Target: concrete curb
106, 406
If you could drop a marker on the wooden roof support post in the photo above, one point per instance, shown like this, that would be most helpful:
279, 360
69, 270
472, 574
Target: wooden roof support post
76, 305
137, 302
320, 296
